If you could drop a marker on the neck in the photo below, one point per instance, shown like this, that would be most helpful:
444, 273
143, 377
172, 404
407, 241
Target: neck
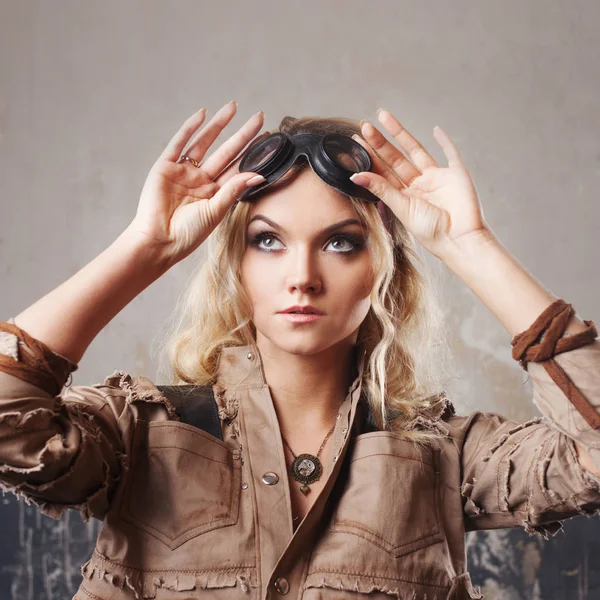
307, 390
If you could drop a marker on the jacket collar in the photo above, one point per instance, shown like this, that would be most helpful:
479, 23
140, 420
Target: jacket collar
241, 366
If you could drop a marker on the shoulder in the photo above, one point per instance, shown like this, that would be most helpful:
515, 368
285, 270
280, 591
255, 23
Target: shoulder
442, 416
137, 393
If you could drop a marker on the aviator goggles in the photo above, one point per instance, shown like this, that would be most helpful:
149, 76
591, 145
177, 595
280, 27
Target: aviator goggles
333, 157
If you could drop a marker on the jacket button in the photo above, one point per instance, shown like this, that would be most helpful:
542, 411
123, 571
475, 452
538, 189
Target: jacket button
270, 478
244, 486
282, 586
249, 355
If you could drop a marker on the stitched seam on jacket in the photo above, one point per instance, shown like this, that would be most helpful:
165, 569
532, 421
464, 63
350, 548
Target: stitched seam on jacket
462, 438
88, 593
544, 453
530, 477
356, 525
506, 460
395, 455
101, 558
363, 574
152, 447
160, 534
203, 434
185, 531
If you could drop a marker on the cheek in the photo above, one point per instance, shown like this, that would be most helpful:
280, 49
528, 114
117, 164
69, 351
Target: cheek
256, 281
355, 283
351, 292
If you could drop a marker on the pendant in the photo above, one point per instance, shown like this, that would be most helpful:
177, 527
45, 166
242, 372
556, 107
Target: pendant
306, 469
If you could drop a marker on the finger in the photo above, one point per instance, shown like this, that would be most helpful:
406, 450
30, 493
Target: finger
396, 161
409, 144
215, 163
175, 147
396, 199
230, 192
379, 166
203, 141
448, 146
234, 167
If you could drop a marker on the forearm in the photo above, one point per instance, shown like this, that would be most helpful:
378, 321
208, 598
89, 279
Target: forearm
68, 318
495, 276
509, 291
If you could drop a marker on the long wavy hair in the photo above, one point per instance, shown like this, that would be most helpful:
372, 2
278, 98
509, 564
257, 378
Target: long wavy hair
404, 334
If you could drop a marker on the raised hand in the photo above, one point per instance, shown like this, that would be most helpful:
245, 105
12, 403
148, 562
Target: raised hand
438, 205
181, 204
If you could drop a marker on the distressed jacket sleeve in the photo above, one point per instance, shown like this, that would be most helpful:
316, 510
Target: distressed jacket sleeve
527, 474
56, 451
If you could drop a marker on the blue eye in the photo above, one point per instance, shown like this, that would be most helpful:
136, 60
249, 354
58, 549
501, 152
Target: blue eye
354, 242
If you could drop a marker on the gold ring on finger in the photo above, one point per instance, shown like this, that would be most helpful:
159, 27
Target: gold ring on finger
190, 159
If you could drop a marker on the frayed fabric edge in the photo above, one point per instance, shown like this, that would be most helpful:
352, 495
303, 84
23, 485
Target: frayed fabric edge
401, 590
463, 589
545, 531
506, 436
94, 505
228, 404
135, 392
144, 584
470, 507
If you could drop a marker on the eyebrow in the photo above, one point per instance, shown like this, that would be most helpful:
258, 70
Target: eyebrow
324, 231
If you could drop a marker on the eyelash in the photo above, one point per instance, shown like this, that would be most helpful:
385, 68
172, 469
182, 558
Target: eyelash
356, 242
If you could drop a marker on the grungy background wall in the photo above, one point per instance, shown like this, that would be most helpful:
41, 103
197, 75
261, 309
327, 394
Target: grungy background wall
90, 93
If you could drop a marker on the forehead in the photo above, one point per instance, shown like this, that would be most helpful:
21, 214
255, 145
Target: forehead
301, 198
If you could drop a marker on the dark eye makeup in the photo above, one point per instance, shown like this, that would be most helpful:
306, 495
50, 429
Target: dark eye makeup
356, 242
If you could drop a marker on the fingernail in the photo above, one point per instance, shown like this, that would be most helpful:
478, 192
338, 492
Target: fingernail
234, 103
360, 180
367, 124
262, 112
254, 180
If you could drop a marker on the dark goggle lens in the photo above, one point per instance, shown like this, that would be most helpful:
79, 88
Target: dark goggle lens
346, 153
261, 153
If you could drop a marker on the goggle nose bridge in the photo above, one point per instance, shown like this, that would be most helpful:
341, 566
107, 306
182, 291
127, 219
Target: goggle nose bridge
312, 147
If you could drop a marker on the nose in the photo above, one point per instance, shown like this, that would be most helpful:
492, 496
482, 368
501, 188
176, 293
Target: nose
303, 272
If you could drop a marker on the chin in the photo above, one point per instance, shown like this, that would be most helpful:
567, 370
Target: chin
304, 347
304, 343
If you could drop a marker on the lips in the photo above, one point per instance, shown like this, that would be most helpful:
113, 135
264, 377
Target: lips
302, 310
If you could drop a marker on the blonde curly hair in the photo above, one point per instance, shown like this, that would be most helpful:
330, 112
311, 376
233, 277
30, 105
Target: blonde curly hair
403, 333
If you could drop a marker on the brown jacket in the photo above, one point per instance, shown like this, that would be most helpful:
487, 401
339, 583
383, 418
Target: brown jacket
188, 516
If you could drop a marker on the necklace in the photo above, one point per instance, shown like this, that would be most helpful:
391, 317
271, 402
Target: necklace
307, 468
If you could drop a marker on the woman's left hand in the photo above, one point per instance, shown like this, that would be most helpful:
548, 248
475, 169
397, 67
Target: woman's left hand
439, 206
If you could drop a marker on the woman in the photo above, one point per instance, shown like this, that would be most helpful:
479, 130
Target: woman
340, 467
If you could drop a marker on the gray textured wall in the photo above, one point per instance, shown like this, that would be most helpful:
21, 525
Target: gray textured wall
90, 93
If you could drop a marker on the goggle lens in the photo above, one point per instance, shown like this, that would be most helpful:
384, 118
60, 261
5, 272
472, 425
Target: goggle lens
346, 154
261, 153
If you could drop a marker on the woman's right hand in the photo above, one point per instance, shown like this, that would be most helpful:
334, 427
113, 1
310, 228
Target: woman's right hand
180, 204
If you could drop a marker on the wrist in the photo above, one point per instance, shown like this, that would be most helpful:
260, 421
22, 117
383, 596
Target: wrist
151, 256
468, 248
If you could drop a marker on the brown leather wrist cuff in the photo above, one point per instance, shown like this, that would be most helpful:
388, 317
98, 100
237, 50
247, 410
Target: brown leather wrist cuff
35, 363
550, 327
